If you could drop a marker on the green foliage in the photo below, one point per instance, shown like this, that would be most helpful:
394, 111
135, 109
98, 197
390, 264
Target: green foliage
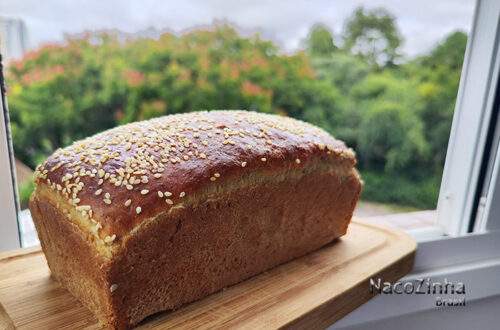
398, 189
438, 76
25, 191
341, 69
373, 35
391, 137
396, 116
391, 133
449, 53
320, 41
61, 93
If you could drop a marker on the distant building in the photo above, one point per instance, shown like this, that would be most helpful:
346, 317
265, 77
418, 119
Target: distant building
13, 38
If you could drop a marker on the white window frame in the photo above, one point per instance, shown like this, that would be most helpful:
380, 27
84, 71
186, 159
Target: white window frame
451, 219
9, 227
465, 256
465, 149
471, 121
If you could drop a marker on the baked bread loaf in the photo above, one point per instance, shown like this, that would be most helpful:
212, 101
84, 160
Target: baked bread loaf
151, 215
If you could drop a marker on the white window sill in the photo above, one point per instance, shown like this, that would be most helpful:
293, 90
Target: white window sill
419, 224
28, 234
473, 259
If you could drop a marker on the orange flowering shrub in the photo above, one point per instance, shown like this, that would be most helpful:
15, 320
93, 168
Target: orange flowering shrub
94, 81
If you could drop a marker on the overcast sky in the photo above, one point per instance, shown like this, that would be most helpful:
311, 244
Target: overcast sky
422, 23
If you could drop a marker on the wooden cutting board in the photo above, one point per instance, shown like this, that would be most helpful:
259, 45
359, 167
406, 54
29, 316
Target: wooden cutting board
310, 292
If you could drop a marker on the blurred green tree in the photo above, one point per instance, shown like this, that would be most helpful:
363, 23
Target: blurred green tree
319, 42
438, 76
373, 35
96, 81
391, 136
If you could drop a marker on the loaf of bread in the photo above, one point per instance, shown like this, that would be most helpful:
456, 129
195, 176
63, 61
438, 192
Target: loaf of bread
148, 216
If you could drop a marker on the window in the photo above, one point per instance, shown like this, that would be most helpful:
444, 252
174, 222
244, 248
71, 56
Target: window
395, 103
468, 201
370, 75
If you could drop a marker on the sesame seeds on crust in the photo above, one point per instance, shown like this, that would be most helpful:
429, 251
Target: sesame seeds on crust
120, 175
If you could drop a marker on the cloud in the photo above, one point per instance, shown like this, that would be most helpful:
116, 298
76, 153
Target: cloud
422, 23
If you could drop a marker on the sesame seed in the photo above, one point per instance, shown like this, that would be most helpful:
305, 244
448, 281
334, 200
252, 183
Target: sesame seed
107, 195
144, 191
138, 209
109, 239
134, 154
128, 202
169, 201
182, 194
113, 287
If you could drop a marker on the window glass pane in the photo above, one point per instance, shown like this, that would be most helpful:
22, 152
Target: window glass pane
380, 75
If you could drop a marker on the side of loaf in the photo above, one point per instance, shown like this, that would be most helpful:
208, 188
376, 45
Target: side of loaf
152, 215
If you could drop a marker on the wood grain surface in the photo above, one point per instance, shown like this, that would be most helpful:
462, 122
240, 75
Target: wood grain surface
310, 292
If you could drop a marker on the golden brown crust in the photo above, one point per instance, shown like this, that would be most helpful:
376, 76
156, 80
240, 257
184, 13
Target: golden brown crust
242, 229
123, 176
74, 262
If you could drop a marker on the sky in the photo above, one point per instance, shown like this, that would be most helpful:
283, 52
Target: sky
422, 23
